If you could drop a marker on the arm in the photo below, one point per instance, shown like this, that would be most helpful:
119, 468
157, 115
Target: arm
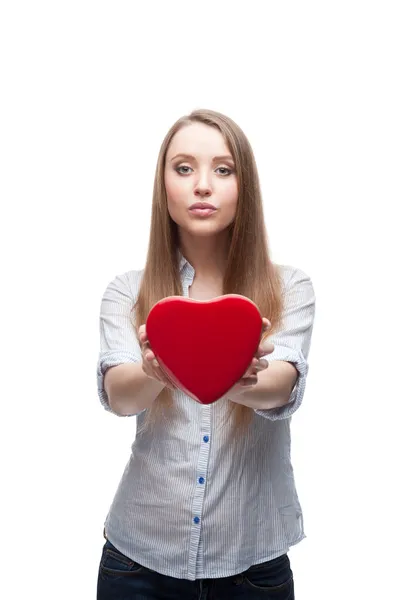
273, 388
280, 388
129, 389
123, 387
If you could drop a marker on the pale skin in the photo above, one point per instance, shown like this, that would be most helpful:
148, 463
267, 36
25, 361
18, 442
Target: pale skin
199, 168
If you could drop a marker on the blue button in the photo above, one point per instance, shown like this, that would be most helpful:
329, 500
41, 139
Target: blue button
196, 520
201, 480
206, 438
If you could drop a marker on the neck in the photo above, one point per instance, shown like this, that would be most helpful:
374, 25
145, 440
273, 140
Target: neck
208, 256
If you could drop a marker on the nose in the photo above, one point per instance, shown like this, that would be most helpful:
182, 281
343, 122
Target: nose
202, 192
203, 186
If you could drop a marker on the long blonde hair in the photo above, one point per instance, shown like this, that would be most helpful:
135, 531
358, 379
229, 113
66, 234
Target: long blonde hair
249, 271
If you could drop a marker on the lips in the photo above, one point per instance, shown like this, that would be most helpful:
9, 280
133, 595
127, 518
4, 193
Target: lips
202, 206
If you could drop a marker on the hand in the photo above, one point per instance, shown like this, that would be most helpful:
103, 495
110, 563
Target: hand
258, 364
150, 364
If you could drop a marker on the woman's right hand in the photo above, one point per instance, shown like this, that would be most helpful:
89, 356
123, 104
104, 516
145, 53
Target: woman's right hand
151, 366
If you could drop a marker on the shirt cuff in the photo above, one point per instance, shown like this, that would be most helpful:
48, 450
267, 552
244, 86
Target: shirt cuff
284, 412
105, 361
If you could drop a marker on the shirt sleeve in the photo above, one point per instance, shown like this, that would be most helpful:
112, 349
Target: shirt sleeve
118, 340
292, 342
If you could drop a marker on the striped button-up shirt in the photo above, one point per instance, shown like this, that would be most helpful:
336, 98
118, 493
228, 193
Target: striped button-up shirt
193, 503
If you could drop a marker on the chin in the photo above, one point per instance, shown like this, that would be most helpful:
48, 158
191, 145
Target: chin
203, 229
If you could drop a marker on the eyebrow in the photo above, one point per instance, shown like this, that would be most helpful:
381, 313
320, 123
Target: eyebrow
191, 157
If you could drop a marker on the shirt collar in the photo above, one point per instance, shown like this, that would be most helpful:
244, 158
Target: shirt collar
186, 270
183, 261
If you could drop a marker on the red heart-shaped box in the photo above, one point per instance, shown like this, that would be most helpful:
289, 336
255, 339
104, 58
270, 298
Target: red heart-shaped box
205, 347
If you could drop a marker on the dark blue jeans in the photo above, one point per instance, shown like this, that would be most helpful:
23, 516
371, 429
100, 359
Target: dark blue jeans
120, 578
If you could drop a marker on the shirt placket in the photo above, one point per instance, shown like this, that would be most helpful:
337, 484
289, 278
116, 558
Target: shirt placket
195, 563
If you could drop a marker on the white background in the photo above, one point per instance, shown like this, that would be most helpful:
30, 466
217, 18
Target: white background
89, 89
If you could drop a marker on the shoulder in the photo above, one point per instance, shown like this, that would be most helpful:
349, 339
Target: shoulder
127, 283
133, 280
291, 274
293, 278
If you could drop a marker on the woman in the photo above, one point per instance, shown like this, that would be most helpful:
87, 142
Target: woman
207, 505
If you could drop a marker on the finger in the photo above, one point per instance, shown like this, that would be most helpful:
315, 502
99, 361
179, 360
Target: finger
145, 346
256, 367
167, 382
143, 335
149, 355
266, 325
162, 375
264, 349
169, 385
152, 369
262, 364
249, 381
251, 370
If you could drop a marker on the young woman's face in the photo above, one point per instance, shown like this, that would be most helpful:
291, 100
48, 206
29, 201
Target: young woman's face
200, 180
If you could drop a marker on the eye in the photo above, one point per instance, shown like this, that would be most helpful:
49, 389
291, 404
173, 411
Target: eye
225, 170
183, 169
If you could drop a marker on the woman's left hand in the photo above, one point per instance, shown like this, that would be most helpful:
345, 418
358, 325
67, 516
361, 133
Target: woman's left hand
258, 364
